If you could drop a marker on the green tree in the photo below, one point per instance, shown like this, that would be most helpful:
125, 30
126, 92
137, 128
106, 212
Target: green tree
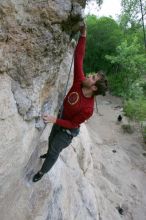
131, 13
103, 36
131, 66
131, 20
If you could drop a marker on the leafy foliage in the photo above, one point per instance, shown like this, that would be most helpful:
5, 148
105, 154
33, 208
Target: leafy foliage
131, 65
117, 48
136, 109
131, 19
103, 37
131, 13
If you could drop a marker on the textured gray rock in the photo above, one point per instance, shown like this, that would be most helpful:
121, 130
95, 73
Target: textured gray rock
22, 101
34, 38
7, 102
87, 182
34, 41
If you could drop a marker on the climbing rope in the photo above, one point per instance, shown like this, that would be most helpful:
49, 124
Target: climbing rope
66, 86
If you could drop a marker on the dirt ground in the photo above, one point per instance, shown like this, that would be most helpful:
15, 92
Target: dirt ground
119, 159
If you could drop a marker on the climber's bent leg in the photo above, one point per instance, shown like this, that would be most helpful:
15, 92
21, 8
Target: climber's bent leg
55, 129
61, 141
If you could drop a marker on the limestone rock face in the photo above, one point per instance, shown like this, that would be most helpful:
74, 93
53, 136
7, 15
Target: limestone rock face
34, 38
35, 58
88, 181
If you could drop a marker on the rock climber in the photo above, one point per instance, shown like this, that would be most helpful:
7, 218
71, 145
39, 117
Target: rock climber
78, 106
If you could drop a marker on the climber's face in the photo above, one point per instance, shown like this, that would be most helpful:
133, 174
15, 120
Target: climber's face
91, 80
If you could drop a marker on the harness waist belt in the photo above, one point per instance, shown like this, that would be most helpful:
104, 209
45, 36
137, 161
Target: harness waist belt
67, 131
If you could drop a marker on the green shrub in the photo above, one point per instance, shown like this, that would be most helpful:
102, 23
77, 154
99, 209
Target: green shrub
117, 84
136, 109
144, 134
143, 85
136, 90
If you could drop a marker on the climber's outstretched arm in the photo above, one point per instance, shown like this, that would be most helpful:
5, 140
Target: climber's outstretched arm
79, 55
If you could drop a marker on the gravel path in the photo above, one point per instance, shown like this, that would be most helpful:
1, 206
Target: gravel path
119, 163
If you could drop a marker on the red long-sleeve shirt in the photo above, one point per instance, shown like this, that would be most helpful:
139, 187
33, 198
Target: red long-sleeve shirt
76, 107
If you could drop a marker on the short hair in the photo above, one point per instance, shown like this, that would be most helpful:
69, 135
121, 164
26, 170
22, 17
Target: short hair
101, 84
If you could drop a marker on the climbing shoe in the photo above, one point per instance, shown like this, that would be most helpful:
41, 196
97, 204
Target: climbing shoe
37, 177
43, 156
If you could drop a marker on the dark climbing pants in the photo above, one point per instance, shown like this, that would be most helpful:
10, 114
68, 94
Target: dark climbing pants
59, 139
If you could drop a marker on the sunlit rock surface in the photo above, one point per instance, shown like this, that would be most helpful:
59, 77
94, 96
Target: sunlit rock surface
89, 181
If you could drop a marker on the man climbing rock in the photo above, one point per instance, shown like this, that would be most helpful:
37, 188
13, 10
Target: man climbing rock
78, 106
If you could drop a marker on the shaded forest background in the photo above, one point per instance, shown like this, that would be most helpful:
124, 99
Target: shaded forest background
118, 47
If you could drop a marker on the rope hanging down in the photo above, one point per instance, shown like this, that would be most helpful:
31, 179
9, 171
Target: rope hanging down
65, 90
64, 94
